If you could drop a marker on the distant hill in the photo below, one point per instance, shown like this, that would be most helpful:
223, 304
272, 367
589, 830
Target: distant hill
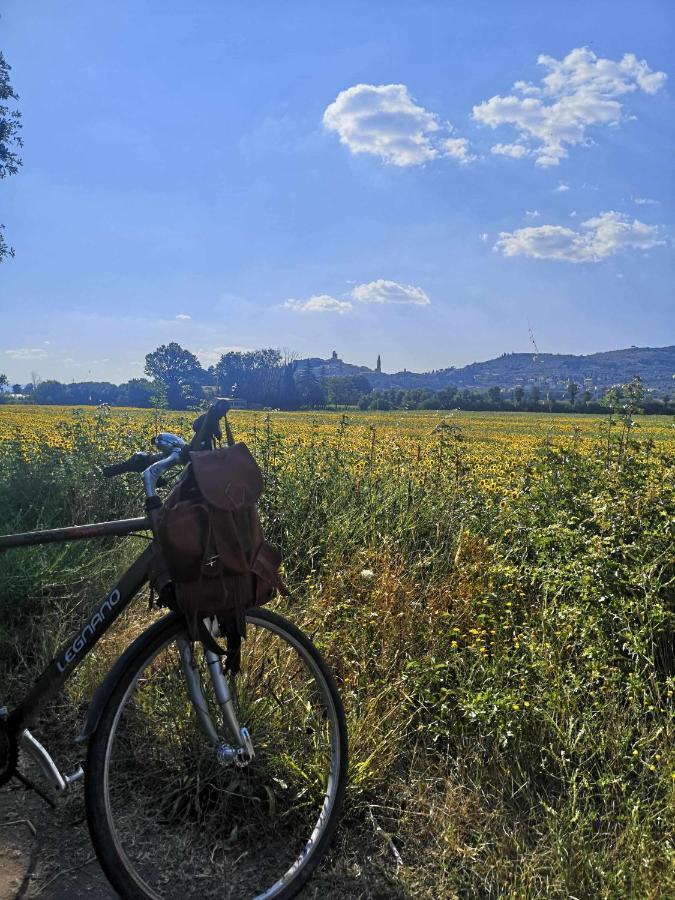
595, 372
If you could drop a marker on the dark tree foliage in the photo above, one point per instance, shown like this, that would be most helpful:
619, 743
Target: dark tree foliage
253, 375
79, 393
346, 390
289, 395
311, 391
177, 374
136, 392
10, 139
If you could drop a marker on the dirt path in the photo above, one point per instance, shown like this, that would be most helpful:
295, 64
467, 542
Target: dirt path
47, 853
44, 852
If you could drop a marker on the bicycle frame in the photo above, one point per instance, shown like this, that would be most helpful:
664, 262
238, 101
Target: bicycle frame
99, 620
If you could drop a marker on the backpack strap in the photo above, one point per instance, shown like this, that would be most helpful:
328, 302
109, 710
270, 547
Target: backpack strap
233, 638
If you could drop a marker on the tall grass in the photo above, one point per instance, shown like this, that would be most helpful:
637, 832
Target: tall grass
504, 647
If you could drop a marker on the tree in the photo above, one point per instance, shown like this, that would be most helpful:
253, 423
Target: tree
549, 401
177, 374
346, 390
10, 140
447, 397
136, 392
50, 392
255, 375
535, 395
289, 396
572, 390
518, 395
495, 394
310, 389
3, 380
16, 389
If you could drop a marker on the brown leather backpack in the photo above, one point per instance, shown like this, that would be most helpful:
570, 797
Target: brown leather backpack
213, 545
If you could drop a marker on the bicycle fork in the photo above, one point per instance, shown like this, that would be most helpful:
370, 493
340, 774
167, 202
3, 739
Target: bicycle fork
242, 752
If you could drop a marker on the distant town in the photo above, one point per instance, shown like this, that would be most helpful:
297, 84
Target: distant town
594, 373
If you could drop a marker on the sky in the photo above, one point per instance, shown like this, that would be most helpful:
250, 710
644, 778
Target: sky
435, 182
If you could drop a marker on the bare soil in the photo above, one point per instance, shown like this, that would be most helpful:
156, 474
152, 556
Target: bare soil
47, 853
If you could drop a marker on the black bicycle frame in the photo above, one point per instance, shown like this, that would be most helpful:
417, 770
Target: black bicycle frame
100, 618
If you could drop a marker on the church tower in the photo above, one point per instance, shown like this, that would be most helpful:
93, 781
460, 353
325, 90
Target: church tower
378, 366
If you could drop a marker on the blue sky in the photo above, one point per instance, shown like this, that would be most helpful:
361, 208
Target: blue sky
353, 176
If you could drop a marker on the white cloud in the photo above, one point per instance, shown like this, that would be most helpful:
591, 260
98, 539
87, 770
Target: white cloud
319, 303
382, 291
579, 91
532, 213
597, 238
483, 236
458, 148
182, 317
27, 353
562, 187
383, 120
515, 151
646, 201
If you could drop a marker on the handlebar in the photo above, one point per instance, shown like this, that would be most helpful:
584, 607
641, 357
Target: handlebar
176, 450
139, 462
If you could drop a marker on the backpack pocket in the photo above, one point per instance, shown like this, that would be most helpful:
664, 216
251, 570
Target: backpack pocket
184, 535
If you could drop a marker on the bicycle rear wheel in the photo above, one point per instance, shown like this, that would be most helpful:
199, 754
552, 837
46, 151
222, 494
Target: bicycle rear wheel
169, 819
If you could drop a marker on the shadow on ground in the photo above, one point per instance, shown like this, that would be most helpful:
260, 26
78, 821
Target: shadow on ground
46, 853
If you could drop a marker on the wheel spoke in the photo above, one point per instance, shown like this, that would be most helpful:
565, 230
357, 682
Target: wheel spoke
184, 824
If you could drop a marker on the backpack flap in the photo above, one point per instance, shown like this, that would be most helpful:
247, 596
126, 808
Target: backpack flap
228, 478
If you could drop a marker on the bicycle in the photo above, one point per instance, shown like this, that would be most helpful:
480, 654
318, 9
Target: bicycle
195, 783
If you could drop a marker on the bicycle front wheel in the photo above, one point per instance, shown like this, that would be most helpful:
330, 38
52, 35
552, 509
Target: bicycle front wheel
170, 819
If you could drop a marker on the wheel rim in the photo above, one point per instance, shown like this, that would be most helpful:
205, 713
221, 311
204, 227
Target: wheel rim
185, 825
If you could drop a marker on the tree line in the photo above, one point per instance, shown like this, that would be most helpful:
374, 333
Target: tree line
177, 380
267, 379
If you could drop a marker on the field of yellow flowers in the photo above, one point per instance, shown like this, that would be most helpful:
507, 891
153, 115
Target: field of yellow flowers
493, 443
496, 593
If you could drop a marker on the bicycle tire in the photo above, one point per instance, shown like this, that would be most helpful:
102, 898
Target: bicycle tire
112, 856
